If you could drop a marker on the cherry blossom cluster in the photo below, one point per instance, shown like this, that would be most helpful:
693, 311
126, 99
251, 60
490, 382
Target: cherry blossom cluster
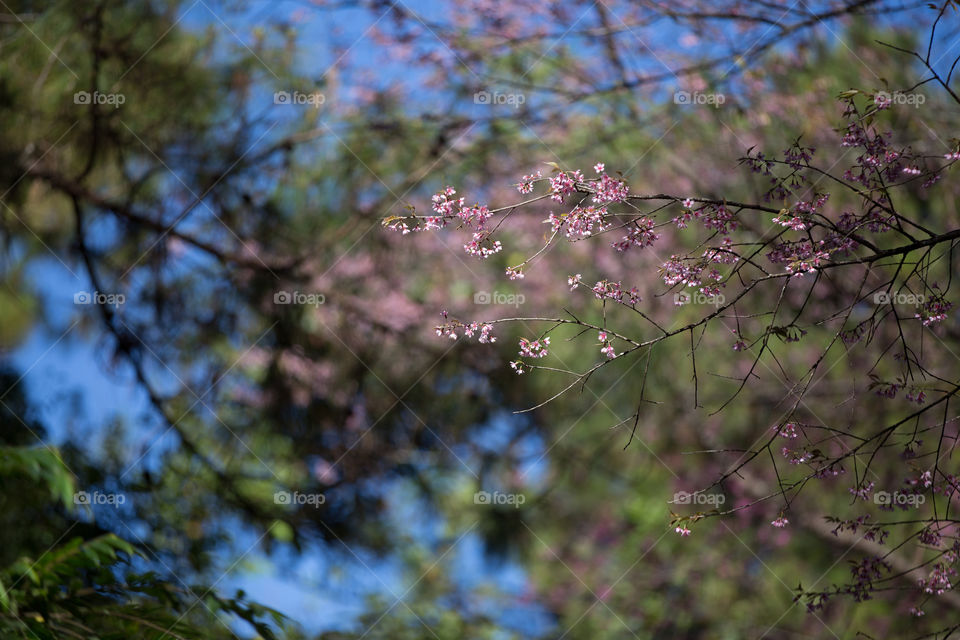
606, 289
799, 257
692, 272
582, 222
939, 579
610, 189
796, 457
788, 430
563, 184
526, 182
934, 310
801, 230
606, 346
448, 208
534, 348
641, 234
864, 574
451, 327
863, 491
878, 164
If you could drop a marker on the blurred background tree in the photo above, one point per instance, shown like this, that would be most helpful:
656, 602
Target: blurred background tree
225, 167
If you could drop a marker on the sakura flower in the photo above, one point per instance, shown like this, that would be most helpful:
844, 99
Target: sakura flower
607, 348
939, 579
611, 190
641, 235
485, 334
789, 430
917, 396
794, 222
579, 223
534, 348
515, 273
481, 246
563, 184
526, 183
863, 491
612, 290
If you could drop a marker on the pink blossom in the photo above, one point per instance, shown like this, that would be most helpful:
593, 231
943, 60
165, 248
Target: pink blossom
579, 223
789, 430
562, 185
481, 246
535, 348
863, 491
607, 348
641, 235
794, 222
611, 190
612, 290
526, 183
939, 579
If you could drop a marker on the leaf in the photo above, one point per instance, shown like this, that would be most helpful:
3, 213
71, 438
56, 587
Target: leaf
281, 531
390, 220
555, 166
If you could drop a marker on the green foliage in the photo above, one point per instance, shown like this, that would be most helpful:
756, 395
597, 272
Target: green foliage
85, 588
